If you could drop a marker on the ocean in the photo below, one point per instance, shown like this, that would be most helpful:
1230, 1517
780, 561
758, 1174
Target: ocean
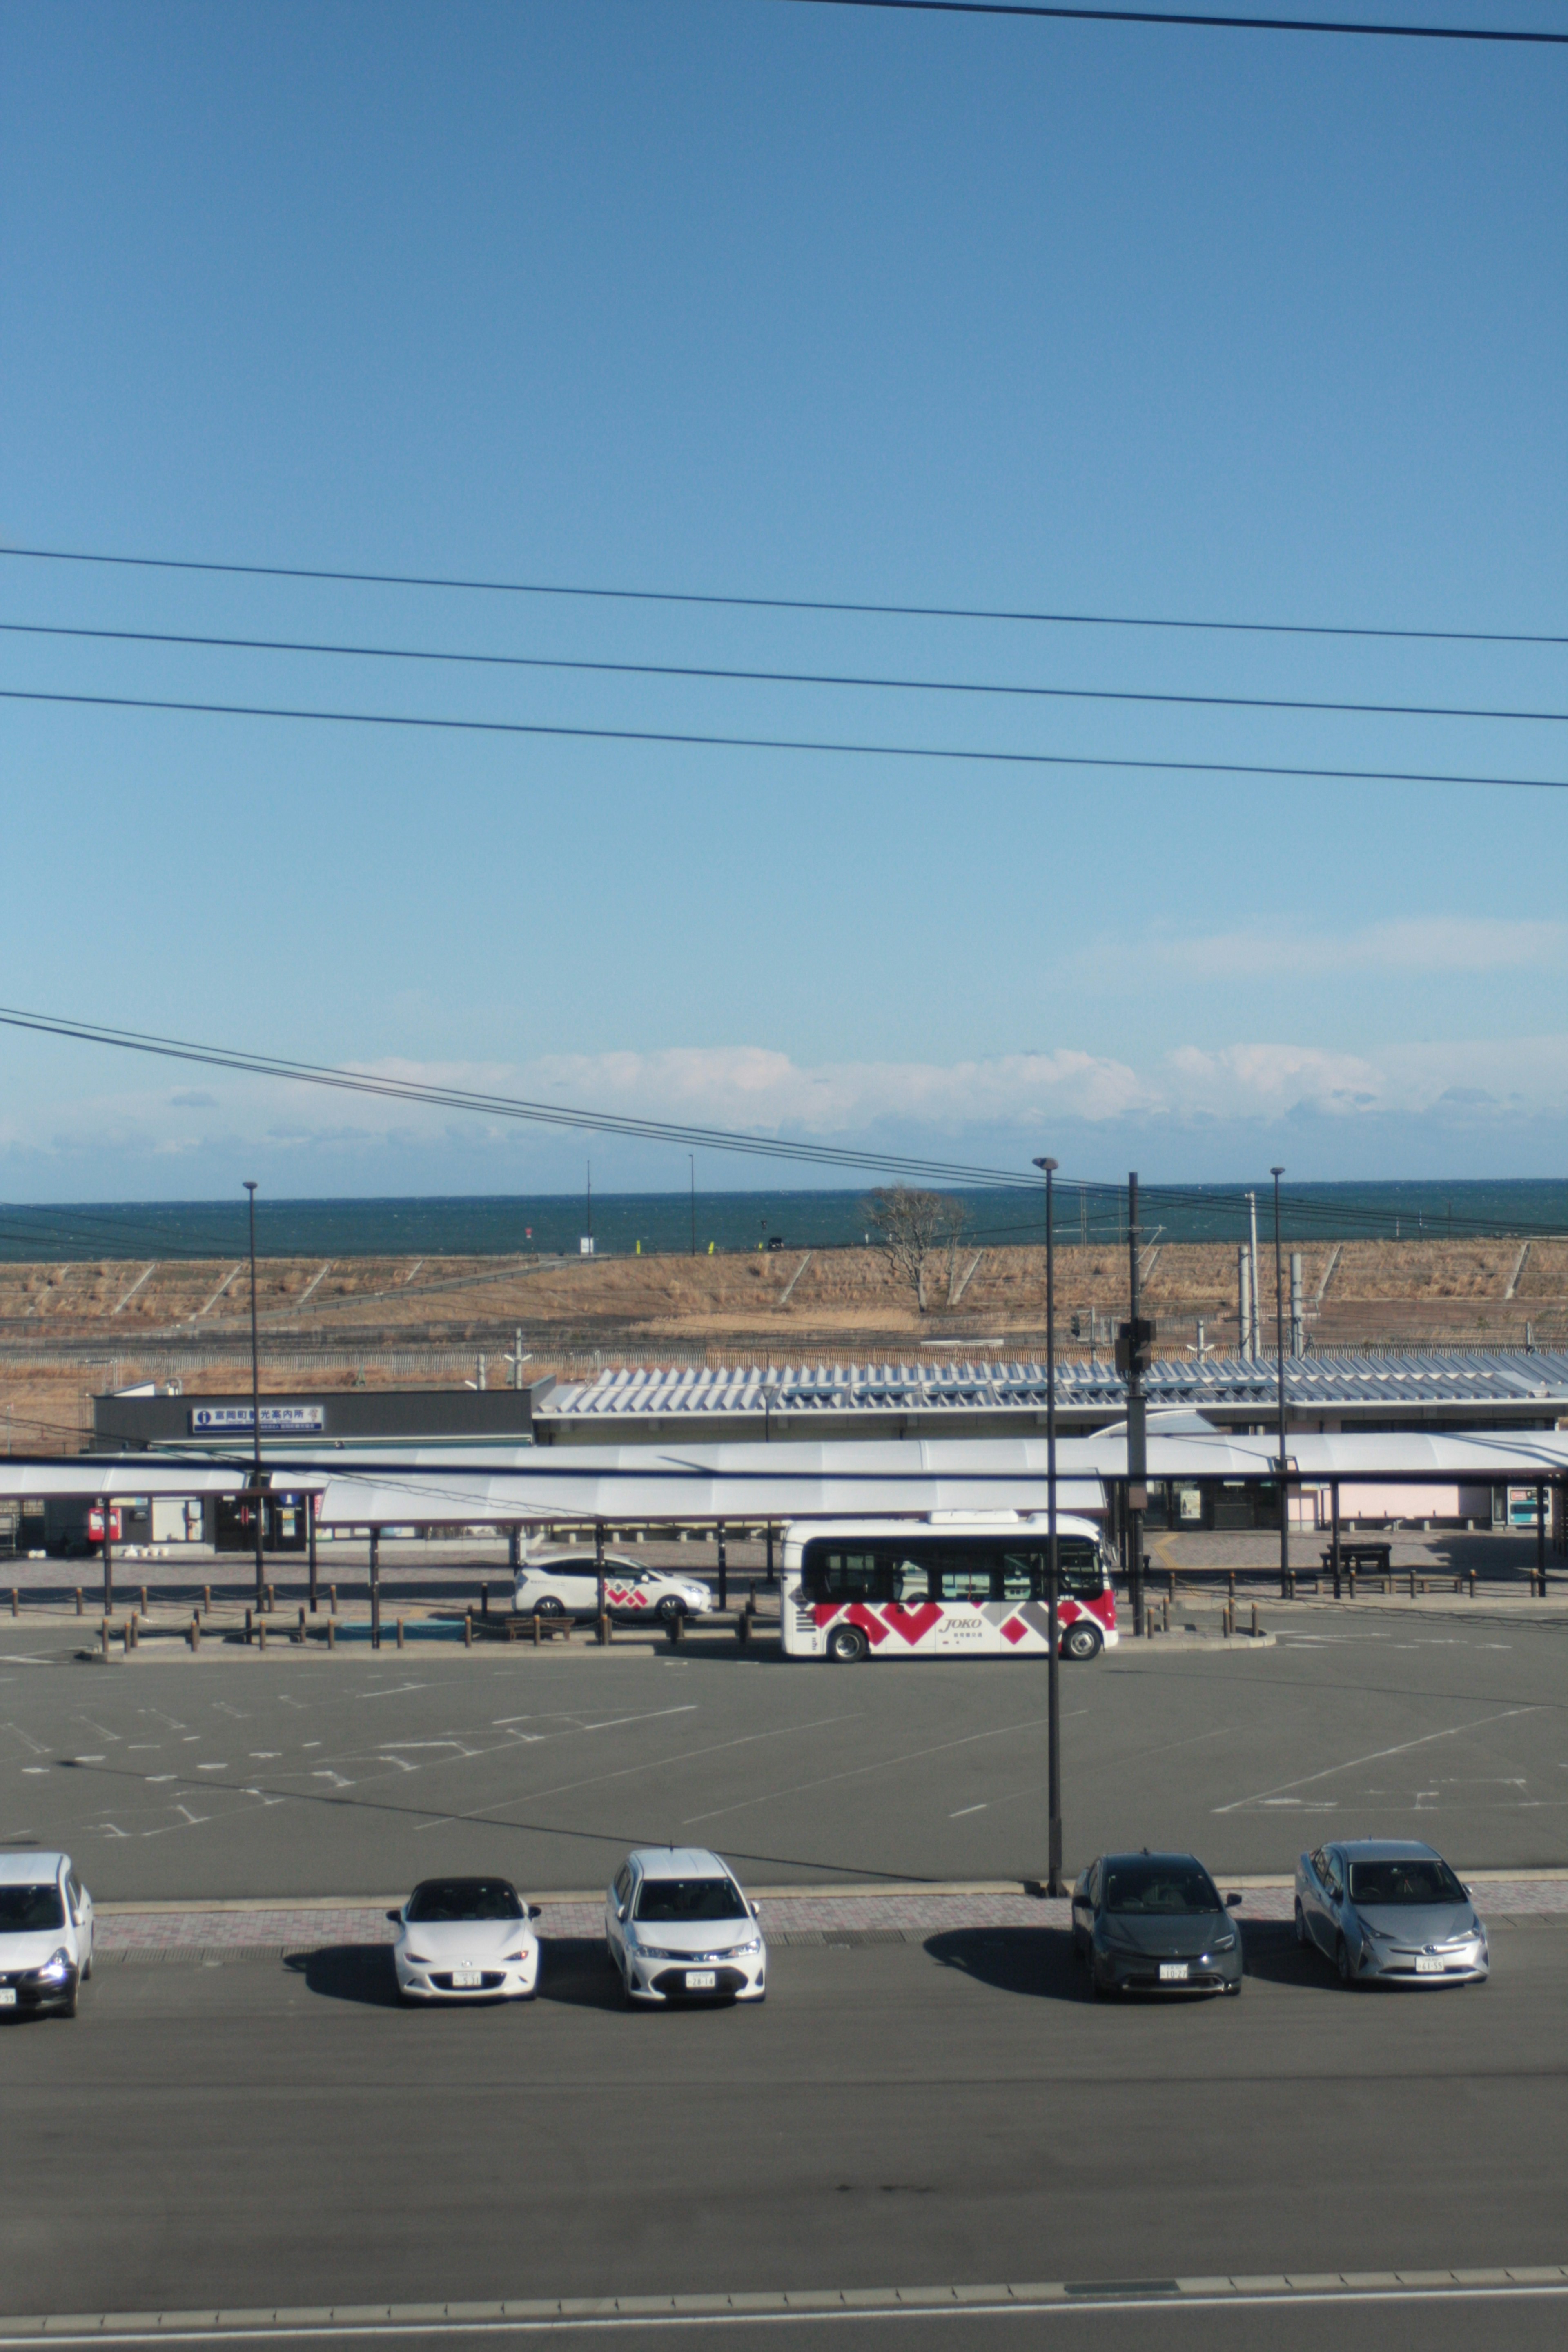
673, 1224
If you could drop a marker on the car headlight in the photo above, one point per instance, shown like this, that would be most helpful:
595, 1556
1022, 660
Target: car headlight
58, 1964
755, 1946
511, 1959
417, 1959
1226, 1943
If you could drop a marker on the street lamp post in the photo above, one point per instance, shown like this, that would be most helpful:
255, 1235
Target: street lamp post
1053, 1578
692, 1156
255, 1502
1279, 1351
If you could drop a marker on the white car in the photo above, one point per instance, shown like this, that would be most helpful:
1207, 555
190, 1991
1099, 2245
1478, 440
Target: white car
465, 1939
45, 1932
679, 1927
566, 1584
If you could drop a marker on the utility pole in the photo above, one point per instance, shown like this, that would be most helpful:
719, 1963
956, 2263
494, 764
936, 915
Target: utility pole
1132, 1354
1255, 1334
255, 1502
1279, 1345
1053, 1563
692, 1156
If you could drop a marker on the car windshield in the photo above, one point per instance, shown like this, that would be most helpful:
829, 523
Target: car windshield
441, 1899
1159, 1889
26, 1909
675, 1899
1409, 1878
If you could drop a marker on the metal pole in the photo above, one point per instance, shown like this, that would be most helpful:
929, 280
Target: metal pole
724, 1569
311, 1503
375, 1588
108, 1510
255, 1406
1279, 1350
1053, 1563
1137, 1428
599, 1575
1334, 1538
692, 1156
1539, 1537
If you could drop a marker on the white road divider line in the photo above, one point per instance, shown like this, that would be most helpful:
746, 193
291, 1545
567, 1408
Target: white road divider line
292, 2323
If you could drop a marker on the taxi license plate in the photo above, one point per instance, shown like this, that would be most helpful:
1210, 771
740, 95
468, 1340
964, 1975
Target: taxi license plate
700, 1979
468, 1976
1427, 1967
7, 1996
1172, 1972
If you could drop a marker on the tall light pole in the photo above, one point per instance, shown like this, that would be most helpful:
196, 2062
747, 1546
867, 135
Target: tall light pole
256, 1501
1279, 1350
1053, 1578
692, 1156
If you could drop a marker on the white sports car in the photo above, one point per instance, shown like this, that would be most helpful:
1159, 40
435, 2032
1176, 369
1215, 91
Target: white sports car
465, 1939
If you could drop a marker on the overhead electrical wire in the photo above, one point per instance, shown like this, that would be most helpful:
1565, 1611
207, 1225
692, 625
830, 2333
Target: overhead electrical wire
1352, 24
1064, 619
687, 738
764, 676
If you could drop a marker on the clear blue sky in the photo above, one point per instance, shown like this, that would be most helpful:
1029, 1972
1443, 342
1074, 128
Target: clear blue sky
743, 296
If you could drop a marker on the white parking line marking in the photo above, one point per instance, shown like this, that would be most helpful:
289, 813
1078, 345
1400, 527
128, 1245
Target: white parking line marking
883, 1764
965, 1811
614, 1722
1453, 1731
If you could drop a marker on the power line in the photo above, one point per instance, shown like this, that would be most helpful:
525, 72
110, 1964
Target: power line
786, 743
1174, 16
772, 604
764, 676
506, 1105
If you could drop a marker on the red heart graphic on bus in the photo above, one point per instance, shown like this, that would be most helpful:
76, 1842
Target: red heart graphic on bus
1014, 1630
913, 1624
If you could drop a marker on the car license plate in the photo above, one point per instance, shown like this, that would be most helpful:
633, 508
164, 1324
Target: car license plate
1172, 1972
468, 1976
1428, 1968
7, 1996
702, 1979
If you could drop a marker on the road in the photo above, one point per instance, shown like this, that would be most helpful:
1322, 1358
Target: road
233, 1775
907, 2116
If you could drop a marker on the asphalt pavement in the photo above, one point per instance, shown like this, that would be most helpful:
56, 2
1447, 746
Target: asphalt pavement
916, 2117
234, 1775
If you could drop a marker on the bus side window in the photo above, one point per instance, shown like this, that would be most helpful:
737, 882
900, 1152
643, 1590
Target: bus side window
911, 1581
1078, 1562
833, 1575
966, 1581
1022, 1575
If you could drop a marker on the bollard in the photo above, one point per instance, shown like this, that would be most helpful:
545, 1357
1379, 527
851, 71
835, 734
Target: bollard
247, 1629
676, 1626
106, 1640
261, 1632
1165, 1608
1290, 1584
742, 1629
484, 1601
602, 1630
271, 1600
193, 1631
332, 1633
1255, 1621
16, 1606
207, 1600
78, 1601
1230, 1581
1352, 1581
1412, 1585
400, 1633
468, 1630
332, 1599
1173, 1591
537, 1630
128, 1638
300, 1635
144, 1600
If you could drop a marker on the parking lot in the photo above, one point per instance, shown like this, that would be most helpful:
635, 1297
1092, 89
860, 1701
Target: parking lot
236, 1775
933, 2113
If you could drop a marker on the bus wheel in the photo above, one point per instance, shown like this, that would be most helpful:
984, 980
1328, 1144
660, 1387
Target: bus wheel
847, 1644
1082, 1640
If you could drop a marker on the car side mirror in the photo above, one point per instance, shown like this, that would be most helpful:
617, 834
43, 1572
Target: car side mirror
530, 1911
754, 1911
620, 1911
396, 1917
1232, 1901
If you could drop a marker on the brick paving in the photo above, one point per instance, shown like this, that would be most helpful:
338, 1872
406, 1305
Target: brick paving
195, 1934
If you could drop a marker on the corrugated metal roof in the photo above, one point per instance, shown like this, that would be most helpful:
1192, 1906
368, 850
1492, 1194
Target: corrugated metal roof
1311, 1383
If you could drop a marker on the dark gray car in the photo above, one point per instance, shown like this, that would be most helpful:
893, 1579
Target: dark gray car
1389, 1911
1155, 1923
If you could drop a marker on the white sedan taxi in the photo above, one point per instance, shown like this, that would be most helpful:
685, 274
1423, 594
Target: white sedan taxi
679, 1927
46, 1932
465, 1939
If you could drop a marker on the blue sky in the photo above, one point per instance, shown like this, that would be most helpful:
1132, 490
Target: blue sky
738, 296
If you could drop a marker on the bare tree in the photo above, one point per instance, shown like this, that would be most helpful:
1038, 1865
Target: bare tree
910, 1229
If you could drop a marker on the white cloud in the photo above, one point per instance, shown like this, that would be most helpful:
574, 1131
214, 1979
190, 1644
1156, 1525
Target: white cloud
1411, 944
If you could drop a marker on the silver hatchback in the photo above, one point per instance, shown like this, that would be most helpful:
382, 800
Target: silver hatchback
1389, 1911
